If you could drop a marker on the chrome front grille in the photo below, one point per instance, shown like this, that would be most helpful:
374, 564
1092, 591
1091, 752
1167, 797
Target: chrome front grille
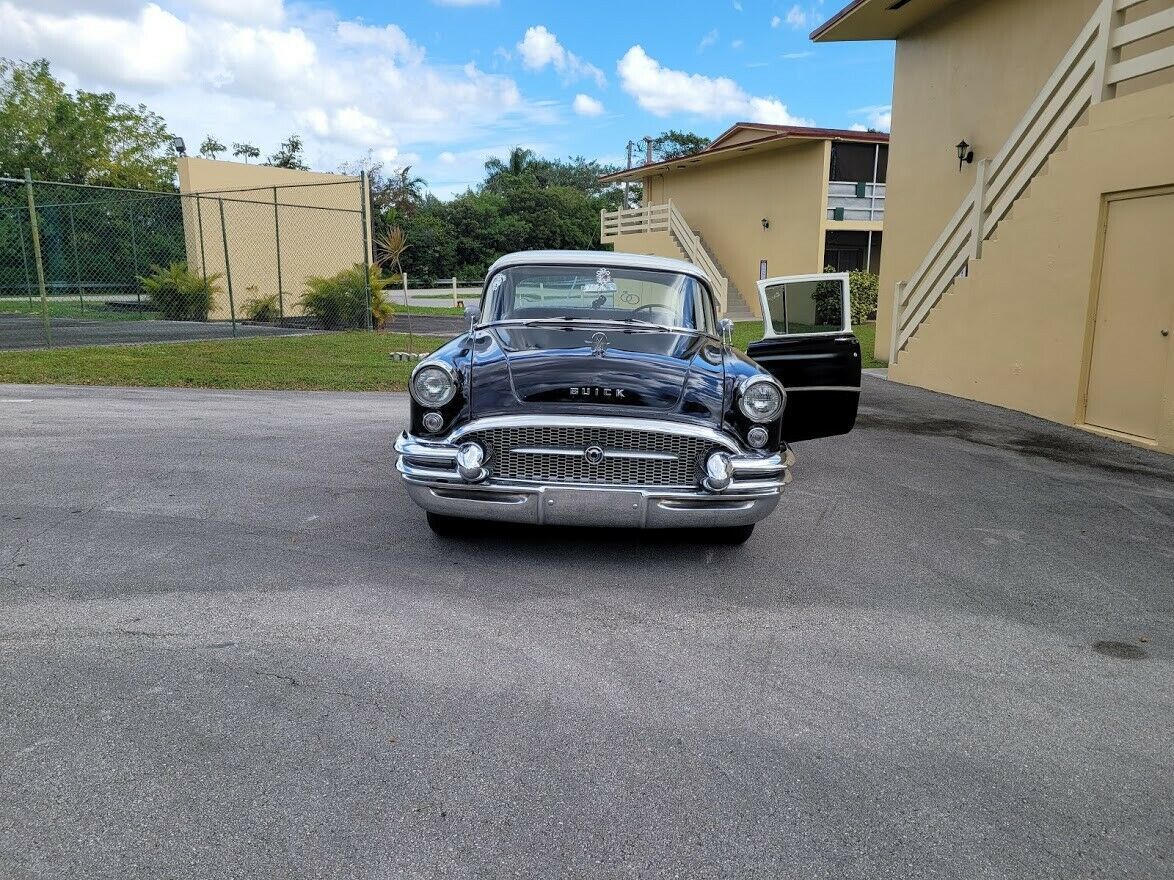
550, 454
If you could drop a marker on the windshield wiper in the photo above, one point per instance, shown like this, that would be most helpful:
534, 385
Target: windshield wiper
648, 324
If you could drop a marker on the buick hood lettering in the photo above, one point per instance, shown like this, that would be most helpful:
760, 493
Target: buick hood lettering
606, 393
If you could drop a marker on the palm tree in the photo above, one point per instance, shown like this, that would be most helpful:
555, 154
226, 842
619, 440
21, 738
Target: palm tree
518, 162
405, 192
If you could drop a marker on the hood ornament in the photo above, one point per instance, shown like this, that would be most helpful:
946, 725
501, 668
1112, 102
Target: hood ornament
599, 344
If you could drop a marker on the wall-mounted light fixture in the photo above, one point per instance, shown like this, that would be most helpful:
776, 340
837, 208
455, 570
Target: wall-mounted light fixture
965, 154
765, 223
178, 145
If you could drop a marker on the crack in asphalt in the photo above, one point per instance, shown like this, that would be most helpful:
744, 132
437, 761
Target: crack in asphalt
289, 678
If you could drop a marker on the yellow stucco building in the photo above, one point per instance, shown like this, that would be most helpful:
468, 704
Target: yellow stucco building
1032, 268
282, 225
761, 201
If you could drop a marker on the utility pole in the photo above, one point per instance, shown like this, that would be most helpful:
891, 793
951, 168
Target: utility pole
648, 149
631, 146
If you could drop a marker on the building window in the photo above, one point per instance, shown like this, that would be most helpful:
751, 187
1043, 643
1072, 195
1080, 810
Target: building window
849, 251
855, 162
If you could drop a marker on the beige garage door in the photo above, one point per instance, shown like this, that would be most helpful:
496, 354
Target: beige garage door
1135, 306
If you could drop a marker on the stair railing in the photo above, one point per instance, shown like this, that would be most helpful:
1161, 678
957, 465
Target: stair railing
667, 218
696, 253
1088, 74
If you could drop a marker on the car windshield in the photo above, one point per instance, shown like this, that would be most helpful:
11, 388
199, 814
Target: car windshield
589, 293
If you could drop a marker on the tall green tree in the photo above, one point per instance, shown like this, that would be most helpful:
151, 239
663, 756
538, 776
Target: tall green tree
245, 151
673, 144
576, 173
405, 191
289, 155
78, 137
518, 162
211, 146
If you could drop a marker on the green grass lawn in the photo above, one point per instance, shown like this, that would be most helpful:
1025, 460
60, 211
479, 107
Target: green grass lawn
746, 332
428, 310
353, 361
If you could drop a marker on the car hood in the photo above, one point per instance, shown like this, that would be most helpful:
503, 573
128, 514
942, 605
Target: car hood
570, 368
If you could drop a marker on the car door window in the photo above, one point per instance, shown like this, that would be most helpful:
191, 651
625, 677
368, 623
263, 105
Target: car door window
806, 305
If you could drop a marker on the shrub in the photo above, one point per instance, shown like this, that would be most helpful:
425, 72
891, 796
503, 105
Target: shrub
862, 296
262, 308
340, 301
179, 295
862, 290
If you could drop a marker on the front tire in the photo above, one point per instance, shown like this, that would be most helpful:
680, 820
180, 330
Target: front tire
732, 535
447, 526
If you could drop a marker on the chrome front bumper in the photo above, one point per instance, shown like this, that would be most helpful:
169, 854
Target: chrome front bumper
429, 473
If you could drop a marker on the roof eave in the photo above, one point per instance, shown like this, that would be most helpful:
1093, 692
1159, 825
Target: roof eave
868, 137
863, 20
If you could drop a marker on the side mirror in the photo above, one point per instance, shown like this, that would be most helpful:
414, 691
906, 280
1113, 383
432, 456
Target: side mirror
726, 327
472, 313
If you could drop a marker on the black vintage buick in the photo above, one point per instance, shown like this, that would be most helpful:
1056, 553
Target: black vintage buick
600, 389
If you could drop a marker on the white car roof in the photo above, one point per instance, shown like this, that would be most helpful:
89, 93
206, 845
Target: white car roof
598, 258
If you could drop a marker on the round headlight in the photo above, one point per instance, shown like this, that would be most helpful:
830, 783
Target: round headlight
761, 400
433, 385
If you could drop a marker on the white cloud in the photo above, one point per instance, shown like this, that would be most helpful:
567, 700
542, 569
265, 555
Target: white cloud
539, 48
585, 105
796, 17
878, 118
775, 21
708, 40
663, 91
795, 56
737, 44
269, 12
390, 39
737, 6
156, 45
259, 71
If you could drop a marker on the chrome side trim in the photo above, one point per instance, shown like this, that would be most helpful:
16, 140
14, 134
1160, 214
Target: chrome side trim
853, 388
409, 446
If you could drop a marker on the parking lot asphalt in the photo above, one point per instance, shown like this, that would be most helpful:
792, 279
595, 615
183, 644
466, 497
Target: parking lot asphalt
24, 331
230, 647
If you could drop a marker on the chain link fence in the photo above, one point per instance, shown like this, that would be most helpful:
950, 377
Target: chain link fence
91, 265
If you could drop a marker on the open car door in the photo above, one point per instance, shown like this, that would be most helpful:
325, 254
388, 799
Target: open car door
809, 346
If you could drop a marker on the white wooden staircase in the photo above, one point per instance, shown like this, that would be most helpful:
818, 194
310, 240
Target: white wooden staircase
1088, 74
667, 218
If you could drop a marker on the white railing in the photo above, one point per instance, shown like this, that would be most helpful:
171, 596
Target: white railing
666, 218
844, 195
1089, 73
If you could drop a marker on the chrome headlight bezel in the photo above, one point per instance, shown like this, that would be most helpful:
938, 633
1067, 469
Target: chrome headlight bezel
754, 416
449, 373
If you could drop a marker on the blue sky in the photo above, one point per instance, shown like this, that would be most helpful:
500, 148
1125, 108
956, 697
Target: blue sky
442, 84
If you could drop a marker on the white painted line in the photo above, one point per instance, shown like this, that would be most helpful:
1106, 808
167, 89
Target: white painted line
18, 400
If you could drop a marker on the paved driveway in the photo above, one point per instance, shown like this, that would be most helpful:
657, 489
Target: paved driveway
230, 647
24, 331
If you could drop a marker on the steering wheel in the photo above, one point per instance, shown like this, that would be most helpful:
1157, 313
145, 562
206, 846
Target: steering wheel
649, 307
